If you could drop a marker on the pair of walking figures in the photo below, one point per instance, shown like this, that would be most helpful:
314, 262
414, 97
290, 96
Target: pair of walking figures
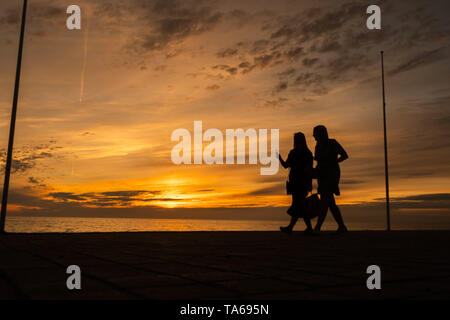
328, 154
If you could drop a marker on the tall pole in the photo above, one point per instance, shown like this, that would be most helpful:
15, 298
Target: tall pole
386, 168
13, 123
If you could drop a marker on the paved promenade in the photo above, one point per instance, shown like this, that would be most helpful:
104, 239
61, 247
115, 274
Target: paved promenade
226, 265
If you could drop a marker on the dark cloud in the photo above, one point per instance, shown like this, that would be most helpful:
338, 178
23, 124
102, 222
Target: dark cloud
171, 21
265, 60
48, 10
239, 14
426, 197
213, 87
274, 189
276, 102
259, 46
287, 72
294, 53
33, 180
246, 67
27, 157
422, 59
226, 68
344, 65
421, 201
40, 16
329, 35
66, 196
128, 194
160, 68
366, 213
284, 31
282, 45
307, 62
20, 165
310, 83
281, 86
109, 198
328, 45
333, 20
11, 17
351, 181
227, 53
308, 79
113, 10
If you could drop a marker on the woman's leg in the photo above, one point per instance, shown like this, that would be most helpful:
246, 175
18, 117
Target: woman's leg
324, 202
336, 213
292, 223
308, 223
292, 211
295, 208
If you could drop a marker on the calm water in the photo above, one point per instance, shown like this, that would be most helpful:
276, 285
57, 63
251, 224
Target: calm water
69, 224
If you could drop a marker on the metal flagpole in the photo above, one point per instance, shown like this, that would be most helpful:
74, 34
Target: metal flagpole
13, 123
386, 169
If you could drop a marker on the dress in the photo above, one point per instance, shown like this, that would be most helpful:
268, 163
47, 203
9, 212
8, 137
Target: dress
300, 177
328, 171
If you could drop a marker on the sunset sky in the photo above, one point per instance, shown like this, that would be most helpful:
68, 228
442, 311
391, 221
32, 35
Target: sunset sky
98, 105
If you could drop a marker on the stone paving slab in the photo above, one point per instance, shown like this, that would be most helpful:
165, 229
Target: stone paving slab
226, 265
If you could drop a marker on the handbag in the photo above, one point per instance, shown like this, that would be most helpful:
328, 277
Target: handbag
313, 206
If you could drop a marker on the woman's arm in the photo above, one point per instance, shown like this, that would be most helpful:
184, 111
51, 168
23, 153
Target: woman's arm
283, 163
343, 154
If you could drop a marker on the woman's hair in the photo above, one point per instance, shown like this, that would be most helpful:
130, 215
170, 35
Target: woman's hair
321, 132
300, 141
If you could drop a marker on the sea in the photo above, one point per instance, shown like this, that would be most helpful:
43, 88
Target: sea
29, 224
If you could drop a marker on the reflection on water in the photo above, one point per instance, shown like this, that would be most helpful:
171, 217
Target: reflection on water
69, 224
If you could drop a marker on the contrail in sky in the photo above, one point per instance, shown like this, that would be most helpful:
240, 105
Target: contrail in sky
83, 68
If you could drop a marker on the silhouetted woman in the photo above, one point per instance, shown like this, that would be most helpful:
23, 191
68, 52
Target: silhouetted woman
300, 162
328, 154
